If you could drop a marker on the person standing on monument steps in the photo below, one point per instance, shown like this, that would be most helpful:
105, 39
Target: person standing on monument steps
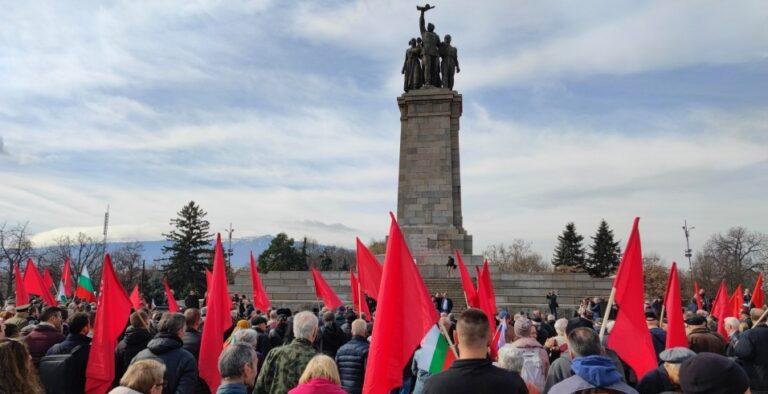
431, 43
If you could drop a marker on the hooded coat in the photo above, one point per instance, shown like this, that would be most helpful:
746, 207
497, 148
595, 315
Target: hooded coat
180, 365
592, 372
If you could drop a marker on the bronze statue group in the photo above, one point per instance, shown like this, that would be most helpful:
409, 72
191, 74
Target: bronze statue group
429, 63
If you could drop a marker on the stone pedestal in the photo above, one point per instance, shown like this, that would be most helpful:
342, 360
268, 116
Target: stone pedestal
429, 185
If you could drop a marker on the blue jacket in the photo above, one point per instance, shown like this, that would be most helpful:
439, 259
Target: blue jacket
232, 388
592, 372
351, 359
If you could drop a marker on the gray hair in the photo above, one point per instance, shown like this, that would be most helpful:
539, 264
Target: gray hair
359, 327
248, 335
731, 321
304, 324
560, 326
511, 358
171, 323
233, 359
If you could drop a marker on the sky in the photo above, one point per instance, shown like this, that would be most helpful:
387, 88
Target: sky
282, 116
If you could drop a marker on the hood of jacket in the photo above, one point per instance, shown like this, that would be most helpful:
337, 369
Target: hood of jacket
136, 336
164, 343
599, 371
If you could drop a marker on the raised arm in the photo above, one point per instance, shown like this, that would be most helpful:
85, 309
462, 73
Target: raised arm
422, 27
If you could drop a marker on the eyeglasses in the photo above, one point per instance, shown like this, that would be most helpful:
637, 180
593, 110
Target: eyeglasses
163, 384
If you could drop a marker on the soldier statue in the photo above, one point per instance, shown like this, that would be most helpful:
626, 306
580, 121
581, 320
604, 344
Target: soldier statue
430, 50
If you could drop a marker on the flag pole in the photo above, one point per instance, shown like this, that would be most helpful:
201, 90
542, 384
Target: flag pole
448, 338
604, 323
761, 317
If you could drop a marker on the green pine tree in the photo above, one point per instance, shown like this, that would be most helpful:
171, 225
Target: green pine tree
282, 255
605, 254
190, 251
569, 254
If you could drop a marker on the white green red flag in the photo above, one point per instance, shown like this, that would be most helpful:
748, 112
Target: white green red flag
85, 287
435, 354
61, 296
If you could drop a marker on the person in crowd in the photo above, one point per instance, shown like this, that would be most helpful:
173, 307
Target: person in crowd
552, 302
284, 365
136, 338
79, 328
748, 297
20, 319
701, 339
536, 370
667, 376
142, 377
658, 335
319, 377
437, 299
711, 373
277, 334
706, 302
331, 336
45, 334
752, 352
192, 333
237, 365
17, 374
446, 303
733, 328
592, 370
561, 342
259, 323
350, 317
192, 300
352, 358
250, 337
512, 359
11, 331
473, 371
181, 366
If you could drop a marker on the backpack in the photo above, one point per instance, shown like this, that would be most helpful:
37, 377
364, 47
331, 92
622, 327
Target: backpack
532, 371
56, 371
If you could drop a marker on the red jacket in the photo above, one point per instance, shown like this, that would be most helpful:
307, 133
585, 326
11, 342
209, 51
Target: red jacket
40, 339
318, 386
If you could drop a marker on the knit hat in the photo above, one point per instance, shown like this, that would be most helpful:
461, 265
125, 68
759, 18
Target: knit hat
523, 328
713, 374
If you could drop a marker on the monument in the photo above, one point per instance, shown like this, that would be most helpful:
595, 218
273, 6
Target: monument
429, 185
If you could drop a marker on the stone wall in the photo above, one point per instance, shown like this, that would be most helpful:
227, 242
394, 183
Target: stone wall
515, 292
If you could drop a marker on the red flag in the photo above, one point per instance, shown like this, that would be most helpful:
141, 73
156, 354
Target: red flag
369, 270
720, 308
758, 298
405, 314
135, 298
22, 297
66, 276
324, 291
358, 297
260, 298
173, 307
675, 326
217, 321
112, 313
736, 302
466, 283
697, 295
630, 337
34, 284
486, 295
47, 278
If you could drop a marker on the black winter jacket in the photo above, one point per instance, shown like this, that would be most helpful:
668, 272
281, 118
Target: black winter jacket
180, 365
134, 341
80, 358
351, 359
751, 354
192, 342
332, 338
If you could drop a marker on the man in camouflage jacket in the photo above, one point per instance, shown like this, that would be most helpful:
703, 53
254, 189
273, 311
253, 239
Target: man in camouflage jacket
285, 364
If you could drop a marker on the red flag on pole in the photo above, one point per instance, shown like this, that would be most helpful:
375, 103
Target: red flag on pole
47, 278
466, 283
675, 326
758, 297
324, 291
486, 295
260, 298
736, 302
360, 305
720, 308
369, 270
66, 276
217, 321
34, 284
135, 298
173, 307
112, 313
630, 337
22, 297
697, 295
405, 314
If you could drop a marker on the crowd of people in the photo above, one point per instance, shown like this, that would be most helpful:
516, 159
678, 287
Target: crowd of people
326, 351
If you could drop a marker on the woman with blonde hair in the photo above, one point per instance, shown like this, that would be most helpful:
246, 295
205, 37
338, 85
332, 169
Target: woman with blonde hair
321, 376
17, 375
142, 377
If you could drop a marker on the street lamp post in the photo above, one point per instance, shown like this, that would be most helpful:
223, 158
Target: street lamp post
688, 254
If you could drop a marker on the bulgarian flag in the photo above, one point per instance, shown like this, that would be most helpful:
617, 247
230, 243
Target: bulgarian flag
60, 296
85, 286
436, 354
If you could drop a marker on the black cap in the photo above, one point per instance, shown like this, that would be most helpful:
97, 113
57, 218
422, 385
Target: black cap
651, 315
695, 320
258, 320
696, 375
577, 322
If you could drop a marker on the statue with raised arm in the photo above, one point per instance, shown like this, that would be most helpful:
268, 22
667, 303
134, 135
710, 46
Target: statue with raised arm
449, 63
412, 67
430, 53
